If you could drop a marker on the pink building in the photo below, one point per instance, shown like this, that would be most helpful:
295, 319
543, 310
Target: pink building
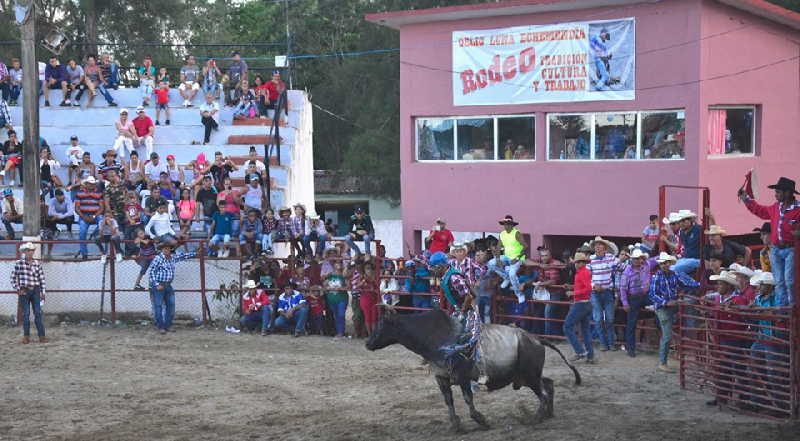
517, 108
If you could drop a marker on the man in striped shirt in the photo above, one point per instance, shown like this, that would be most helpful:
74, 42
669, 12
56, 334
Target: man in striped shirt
89, 208
28, 279
602, 265
162, 271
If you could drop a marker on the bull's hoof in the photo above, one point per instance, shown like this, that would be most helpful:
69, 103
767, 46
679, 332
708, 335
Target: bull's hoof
455, 426
481, 420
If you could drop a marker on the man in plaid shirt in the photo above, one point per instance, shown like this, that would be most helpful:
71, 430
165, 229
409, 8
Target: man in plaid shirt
28, 279
162, 271
5, 116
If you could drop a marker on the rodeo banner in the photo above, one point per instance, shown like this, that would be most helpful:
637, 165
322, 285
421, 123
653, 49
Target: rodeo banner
582, 61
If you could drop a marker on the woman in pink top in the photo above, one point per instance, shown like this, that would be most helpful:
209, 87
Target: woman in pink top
125, 134
187, 212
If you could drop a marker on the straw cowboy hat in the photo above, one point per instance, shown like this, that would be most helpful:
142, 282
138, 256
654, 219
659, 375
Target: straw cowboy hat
610, 245
250, 284
665, 257
761, 277
284, 209
741, 269
27, 246
580, 257
715, 230
459, 246
639, 254
727, 277
509, 219
671, 219
686, 214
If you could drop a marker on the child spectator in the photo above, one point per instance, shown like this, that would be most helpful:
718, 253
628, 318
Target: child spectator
367, 286
147, 78
650, 235
109, 233
15, 81
74, 157
147, 251
419, 283
270, 226
162, 223
163, 76
389, 285
133, 218
187, 212
316, 308
221, 230
251, 234
162, 102
246, 107
336, 297
76, 81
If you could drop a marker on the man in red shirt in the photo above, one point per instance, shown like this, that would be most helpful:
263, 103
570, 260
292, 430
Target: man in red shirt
274, 89
784, 216
145, 130
440, 238
256, 308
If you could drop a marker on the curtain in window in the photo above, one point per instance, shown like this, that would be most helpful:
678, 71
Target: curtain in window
716, 132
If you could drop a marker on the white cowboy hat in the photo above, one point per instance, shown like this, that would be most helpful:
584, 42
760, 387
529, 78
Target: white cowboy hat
765, 278
610, 245
715, 230
726, 277
89, 180
665, 257
671, 219
459, 246
686, 214
27, 246
250, 284
638, 253
741, 269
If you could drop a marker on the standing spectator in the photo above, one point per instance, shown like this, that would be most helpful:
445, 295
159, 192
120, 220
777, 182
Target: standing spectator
207, 197
262, 95
147, 252
76, 82
360, 229
783, 216
162, 102
602, 265
89, 208
14, 81
275, 88
108, 232
147, 80
5, 117
60, 211
252, 234
12, 155
154, 168
663, 294
55, 77
114, 199
690, 234
256, 308
549, 274
486, 287
763, 257
133, 217
743, 275
190, 75
93, 77
284, 225
232, 198
419, 283
650, 234
162, 272
768, 351
237, 74
440, 238
4, 84
369, 296
187, 211
209, 117
633, 290
336, 297
514, 248
12, 212
580, 312
726, 248
110, 71
144, 130
211, 77
292, 310
316, 309
254, 194
126, 134
245, 103
221, 231
316, 232
28, 280
670, 234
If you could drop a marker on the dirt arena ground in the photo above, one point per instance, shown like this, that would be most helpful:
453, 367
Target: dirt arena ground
93, 383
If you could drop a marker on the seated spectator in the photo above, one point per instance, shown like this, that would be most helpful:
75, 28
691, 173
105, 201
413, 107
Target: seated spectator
252, 158
388, 284
221, 231
189, 86
187, 212
108, 232
110, 71
76, 81
14, 81
85, 169
12, 212
315, 231
93, 78
5, 90
299, 222
221, 169
211, 78
160, 226
47, 167
284, 225
209, 117
167, 188
55, 77
109, 164
268, 231
60, 211
316, 309
237, 74
12, 157
134, 217
174, 171
134, 173
126, 134
74, 157
89, 208
147, 80
256, 308
262, 95
146, 253
144, 131
246, 103
255, 197
207, 197
154, 168
360, 229
151, 200
728, 249
162, 102
252, 234
292, 310
202, 170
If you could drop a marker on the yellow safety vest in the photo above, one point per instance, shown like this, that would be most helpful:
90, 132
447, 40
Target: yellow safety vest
512, 248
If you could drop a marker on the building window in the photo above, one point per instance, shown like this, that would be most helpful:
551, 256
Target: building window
484, 138
731, 131
616, 135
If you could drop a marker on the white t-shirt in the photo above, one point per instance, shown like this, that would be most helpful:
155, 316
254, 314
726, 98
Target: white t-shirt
42, 67
74, 154
154, 171
205, 107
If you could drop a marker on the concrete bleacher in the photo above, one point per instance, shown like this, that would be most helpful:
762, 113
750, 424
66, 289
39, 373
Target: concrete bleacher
292, 174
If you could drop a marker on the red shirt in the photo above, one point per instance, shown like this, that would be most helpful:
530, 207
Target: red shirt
254, 304
315, 305
730, 321
262, 90
440, 241
162, 96
583, 285
142, 125
134, 211
772, 213
275, 89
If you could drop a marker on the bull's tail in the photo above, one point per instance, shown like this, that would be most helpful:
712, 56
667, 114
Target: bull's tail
574, 371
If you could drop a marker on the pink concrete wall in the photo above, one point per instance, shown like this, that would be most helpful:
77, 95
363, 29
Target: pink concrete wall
775, 89
565, 198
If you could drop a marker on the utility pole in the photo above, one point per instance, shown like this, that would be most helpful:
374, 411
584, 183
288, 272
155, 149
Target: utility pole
30, 118
288, 44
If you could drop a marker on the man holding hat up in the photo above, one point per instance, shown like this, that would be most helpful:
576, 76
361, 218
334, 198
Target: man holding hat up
514, 249
783, 216
162, 271
28, 279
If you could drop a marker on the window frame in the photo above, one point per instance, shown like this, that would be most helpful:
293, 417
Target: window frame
496, 134
751, 107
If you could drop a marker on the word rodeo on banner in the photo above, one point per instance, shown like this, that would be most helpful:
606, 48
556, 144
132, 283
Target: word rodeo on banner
582, 61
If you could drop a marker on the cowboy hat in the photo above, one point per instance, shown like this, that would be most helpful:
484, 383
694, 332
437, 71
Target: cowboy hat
726, 277
27, 246
580, 257
665, 257
299, 205
509, 219
715, 230
686, 214
284, 209
165, 244
741, 269
250, 284
671, 219
762, 278
90, 180
765, 228
459, 246
638, 254
784, 184
610, 245
441, 221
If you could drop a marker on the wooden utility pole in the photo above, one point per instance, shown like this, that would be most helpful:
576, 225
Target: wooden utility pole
30, 120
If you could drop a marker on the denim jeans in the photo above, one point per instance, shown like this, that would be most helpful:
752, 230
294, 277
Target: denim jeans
580, 314
686, 265
769, 356
782, 261
113, 79
602, 74
298, 319
666, 318
636, 302
258, 238
264, 317
508, 272
15, 91
164, 303
321, 239
485, 308
421, 302
32, 297
266, 241
83, 232
339, 310
735, 352
603, 316
551, 312
352, 244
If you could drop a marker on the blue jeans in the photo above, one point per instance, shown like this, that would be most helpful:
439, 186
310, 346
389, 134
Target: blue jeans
243, 109
686, 265
15, 91
603, 316
243, 240
666, 318
113, 80
636, 302
103, 91
83, 232
580, 313
602, 73
421, 302
339, 310
352, 244
485, 308
771, 356
298, 319
321, 239
782, 261
164, 303
508, 272
32, 297
551, 313
264, 317
266, 241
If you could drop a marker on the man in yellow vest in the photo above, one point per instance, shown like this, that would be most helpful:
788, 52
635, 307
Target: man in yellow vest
514, 249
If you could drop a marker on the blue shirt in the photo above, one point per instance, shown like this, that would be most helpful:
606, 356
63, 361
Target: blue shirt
770, 301
162, 270
691, 241
419, 284
58, 73
222, 223
288, 302
664, 287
